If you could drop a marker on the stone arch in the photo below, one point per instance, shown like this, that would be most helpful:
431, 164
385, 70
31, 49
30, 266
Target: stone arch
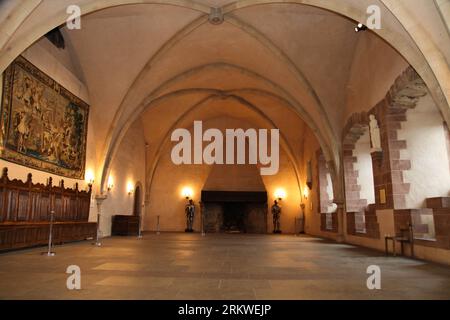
361, 217
284, 142
357, 125
114, 140
433, 68
180, 35
404, 94
352, 11
388, 167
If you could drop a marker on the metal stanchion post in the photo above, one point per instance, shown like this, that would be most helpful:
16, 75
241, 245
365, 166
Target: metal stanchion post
157, 225
203, 227
97, 239
302, 219
295, 227
49, 252
202, 219
140, 224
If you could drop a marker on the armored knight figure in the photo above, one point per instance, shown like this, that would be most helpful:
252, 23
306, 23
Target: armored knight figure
276, 212
190, 212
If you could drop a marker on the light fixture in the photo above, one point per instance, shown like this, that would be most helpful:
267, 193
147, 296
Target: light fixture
130, 188
110, 183
280, 194
187, 192
360, 27
216, 16
306, 192
89, 177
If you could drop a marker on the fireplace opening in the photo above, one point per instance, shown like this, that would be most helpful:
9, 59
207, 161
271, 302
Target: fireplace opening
234, 212
234, 217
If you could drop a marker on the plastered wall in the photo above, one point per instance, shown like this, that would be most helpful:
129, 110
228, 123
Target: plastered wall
127, 170
424, 133
374, 69
165, 196
364, 168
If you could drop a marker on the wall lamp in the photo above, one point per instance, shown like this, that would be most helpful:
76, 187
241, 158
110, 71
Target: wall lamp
306, 192
89, 177
187, 193
280, 194
110, 183
130, 188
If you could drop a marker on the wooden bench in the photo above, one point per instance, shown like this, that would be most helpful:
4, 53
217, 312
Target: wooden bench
25, 209
22, 235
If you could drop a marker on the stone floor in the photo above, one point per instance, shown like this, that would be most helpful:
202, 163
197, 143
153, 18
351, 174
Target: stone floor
188, 266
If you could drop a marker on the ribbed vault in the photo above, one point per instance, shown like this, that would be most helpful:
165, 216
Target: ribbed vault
136, 56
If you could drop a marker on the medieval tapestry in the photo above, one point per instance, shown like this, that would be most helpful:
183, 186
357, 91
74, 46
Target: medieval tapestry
43, 126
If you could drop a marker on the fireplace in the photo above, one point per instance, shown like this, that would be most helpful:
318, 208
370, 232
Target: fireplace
234, 212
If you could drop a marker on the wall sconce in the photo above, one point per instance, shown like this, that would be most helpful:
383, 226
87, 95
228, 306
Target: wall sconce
306, 192
187, 193
280, 194
110, 183
89, 177
130, 188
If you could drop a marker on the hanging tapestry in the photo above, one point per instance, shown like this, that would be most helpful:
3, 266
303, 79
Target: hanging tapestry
43, 125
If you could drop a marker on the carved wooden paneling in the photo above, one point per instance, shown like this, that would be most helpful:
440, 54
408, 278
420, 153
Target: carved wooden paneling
25, 213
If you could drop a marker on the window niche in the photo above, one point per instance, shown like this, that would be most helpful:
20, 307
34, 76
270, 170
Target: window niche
359, 178
327, 208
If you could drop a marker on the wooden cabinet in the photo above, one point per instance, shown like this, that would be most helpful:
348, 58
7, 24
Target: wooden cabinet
125, 225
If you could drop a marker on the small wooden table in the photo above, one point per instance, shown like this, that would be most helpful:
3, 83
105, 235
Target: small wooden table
123, 225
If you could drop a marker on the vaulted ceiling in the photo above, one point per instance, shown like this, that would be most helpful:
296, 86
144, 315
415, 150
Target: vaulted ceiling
284, 61
130, 55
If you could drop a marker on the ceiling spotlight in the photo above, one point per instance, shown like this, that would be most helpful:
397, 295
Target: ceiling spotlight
360, 27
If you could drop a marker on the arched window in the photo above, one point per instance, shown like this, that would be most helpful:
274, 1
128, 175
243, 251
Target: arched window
327, 208
358, 172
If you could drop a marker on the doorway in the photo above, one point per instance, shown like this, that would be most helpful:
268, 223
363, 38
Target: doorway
137, 207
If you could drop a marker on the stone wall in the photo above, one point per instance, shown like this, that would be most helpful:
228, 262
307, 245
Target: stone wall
392, 168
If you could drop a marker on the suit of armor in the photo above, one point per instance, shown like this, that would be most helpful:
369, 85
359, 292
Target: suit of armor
190, 212
276, 213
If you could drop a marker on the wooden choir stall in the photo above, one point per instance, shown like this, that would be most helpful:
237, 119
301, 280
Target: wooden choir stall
25, 212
